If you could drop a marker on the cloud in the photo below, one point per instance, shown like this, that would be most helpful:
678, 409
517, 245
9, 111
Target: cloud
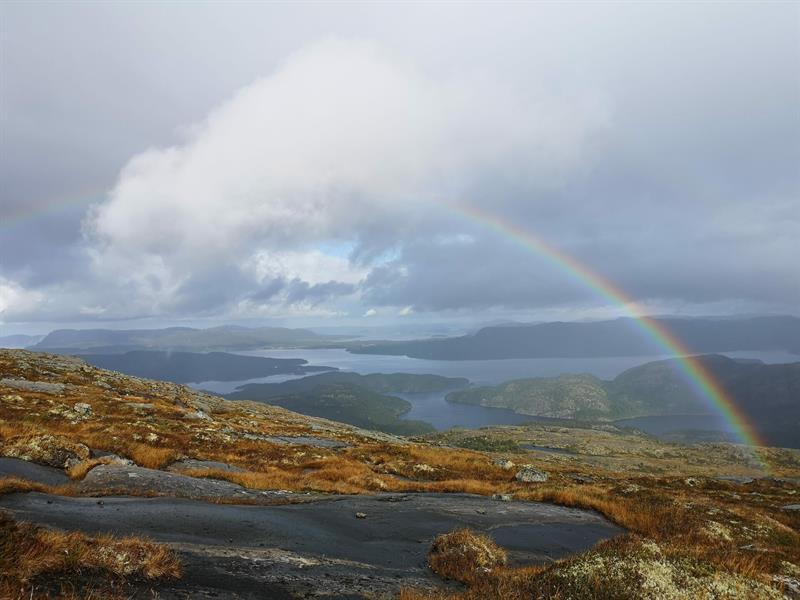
15, 300
342, 143
657, 145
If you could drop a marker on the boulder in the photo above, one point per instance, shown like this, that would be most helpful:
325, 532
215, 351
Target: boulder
529, 474
33, 386
52, 450
82, 409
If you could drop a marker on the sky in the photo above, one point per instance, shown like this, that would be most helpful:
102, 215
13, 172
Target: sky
312, 163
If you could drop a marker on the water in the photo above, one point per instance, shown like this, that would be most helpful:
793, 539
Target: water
479, 372
672, 424
227, 387
443, 415
434, 409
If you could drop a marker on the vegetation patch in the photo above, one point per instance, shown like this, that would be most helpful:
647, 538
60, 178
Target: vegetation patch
485, 443
42, 563
464, 555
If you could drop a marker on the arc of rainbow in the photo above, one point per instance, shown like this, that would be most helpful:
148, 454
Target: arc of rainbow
26, 212
694, 371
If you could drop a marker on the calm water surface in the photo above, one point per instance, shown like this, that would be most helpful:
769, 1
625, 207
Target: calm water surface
434, 409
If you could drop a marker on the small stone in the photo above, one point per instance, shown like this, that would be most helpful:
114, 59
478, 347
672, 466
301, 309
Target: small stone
791, 584
361, 515
502, 497
197, 415
791, 507
82, 409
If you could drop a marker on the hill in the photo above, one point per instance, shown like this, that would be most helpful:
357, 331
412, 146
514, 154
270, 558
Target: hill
89, 455
398, 383
769, 395
620, 337
346, 403
227, 337
189, 367
352, 398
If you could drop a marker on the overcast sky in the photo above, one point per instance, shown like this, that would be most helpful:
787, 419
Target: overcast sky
310, 163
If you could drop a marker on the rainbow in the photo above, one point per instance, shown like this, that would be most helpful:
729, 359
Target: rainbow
694, 371
24, 213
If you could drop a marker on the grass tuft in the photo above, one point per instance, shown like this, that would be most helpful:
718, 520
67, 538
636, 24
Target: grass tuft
464, 555
69, 564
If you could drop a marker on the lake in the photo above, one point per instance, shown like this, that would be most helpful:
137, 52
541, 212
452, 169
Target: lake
434, 409
688, 426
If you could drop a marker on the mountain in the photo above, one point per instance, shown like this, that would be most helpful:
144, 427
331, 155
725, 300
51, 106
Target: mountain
227, 337
343, 402
19, 341
186, 367
768, 395
359, 400
564, 397
397, 383
620, 337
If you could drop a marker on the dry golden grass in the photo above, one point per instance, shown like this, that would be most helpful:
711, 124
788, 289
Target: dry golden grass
464, 555
661, 509
152, 457
11, 485
69, 564
79, 470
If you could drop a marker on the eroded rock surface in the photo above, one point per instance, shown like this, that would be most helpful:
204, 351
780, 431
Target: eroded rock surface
139, 481
51, 450
529, 474
286, 551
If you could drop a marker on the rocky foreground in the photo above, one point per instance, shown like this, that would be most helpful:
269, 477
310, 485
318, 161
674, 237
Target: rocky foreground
99, 452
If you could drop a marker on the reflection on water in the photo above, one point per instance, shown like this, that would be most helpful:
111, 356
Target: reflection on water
434, 409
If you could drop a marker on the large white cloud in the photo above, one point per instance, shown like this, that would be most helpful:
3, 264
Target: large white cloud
341, 141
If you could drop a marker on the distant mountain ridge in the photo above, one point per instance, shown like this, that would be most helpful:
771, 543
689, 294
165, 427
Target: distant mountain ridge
193, 367
19, 340
226, 337
620, 337
769, 395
